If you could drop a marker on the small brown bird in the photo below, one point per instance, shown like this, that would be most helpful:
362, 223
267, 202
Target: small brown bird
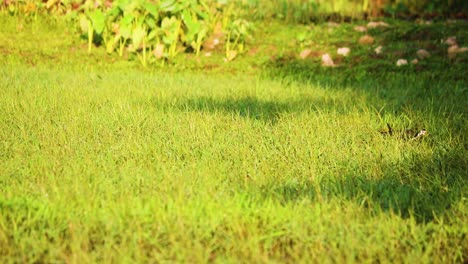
409, 134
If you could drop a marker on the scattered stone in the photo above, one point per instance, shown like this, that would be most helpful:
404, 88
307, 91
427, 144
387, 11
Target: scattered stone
401, 62
374, 24
327, 61
422, 54
451, 41
343, 51
415, 61
366, 40
378, 50
360, 28
305, 54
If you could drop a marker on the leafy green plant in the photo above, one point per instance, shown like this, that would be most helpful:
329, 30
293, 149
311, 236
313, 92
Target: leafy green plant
96, 25
196, 31
163, 28
170, 28
239, 31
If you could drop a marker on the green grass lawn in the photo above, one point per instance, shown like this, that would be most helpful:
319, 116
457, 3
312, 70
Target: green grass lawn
268, 158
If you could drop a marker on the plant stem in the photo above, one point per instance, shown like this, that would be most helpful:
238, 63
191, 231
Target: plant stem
144, 52
90, 36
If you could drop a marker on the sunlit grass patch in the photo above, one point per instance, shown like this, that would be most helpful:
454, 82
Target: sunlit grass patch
288, 162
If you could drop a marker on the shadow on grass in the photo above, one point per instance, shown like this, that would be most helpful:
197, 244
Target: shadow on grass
415, 86
423, 187
438, 90
247, 107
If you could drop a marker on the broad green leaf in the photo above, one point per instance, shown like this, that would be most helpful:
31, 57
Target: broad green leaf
113, 13
170, 27
137, 36
193, 26
168, 5
121, 4
140, 20
127, 19
98, 21
203, 15
131, 7
169, 23
187, 17
152, 34
152, 9
150, 22
125, 29
84, 23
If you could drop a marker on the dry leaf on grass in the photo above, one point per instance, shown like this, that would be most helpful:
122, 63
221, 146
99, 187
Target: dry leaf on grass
211, 43
215, 39
327, 61
158, 52
305, 54
253, 51
343, 51
116, 28
374, 24
366, 40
